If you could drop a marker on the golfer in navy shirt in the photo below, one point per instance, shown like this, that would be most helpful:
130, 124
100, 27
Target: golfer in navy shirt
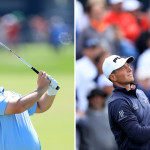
128, 107
16, 129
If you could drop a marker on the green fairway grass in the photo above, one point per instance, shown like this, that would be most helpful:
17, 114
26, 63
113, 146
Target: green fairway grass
55, 127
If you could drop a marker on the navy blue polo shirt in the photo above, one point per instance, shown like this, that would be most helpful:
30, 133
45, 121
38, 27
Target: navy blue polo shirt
129, 117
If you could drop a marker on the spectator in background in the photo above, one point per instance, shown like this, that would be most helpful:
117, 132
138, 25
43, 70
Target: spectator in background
111, 37
59, 32
143, 60
94, 128
141, 42
96, 29
81, 18
124, 20
134, 7
102, 82
86, 72
39, 29
11, 28
124, 46
96, 10
143, 69
143, 80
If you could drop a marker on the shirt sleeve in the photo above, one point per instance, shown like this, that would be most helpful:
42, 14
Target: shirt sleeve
121, 112
3, 105
32, 110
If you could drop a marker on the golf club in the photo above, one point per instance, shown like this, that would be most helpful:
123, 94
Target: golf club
57, 88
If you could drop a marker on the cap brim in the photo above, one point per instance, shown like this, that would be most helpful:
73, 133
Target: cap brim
130, 59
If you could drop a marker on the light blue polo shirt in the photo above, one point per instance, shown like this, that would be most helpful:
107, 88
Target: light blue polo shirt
16, 130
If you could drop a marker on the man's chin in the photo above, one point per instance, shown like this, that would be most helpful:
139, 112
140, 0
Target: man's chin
132, 80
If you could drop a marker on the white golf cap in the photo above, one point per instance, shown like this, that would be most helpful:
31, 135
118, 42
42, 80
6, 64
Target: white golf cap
113, 2
131, 5
114, 62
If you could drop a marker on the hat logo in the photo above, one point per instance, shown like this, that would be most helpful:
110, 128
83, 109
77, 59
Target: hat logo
116, 59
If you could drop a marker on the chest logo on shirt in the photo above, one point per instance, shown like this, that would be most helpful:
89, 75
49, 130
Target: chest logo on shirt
121, 115
146, 101
135, 107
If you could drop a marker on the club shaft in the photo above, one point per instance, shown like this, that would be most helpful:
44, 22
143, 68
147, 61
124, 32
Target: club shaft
57, 88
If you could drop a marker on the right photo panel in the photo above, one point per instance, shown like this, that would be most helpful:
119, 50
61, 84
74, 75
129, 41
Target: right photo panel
112, 75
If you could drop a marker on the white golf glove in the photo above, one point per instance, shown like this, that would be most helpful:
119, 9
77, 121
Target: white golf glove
52, 88
53, 83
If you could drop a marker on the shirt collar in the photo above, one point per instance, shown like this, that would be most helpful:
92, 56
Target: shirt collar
124, 90
2, 90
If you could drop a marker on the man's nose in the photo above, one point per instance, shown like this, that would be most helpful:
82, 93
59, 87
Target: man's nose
129, 68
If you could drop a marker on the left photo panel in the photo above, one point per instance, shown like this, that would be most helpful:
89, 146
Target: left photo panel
37, 75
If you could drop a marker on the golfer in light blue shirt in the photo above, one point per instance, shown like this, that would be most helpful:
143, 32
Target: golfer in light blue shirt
16, 129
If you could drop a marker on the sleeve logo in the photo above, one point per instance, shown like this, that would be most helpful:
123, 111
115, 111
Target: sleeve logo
121, 115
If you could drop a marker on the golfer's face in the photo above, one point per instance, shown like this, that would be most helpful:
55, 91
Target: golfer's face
124, 74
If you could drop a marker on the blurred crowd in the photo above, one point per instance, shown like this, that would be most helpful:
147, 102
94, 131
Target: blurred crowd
16, 28
103, 28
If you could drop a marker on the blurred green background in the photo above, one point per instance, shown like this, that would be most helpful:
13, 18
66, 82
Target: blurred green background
55, 127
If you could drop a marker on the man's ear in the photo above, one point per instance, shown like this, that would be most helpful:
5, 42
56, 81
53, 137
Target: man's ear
112, 77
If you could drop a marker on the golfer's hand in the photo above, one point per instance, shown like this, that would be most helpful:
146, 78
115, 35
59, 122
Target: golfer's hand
52, 87
53, 82
43, 81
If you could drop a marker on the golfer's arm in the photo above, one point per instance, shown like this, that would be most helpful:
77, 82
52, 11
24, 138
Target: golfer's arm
44, 103
24, 103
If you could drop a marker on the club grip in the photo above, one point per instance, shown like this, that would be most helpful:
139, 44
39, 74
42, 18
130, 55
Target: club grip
57, 88
35, 70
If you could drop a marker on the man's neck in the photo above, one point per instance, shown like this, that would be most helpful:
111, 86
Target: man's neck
126, 86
